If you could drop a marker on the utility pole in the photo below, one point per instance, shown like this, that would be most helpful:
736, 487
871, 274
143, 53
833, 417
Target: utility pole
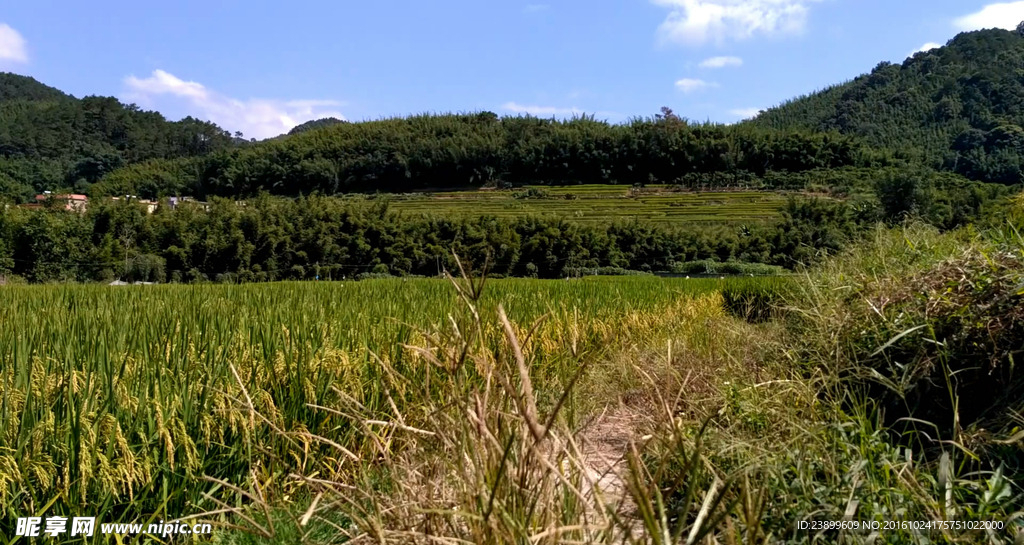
127, 238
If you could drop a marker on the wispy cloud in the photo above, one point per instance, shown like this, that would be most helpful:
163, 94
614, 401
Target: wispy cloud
688, 85
721, 62
258, 118
536, 8
12, 45
517, 108
745, 113
695, 22
1006, 15
926, 47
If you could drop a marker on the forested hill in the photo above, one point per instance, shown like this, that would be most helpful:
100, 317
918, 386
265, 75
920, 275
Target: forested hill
51, 140
315, 124
15, 87
481, 149
959, 107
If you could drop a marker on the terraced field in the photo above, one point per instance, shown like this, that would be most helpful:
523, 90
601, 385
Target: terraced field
600, 203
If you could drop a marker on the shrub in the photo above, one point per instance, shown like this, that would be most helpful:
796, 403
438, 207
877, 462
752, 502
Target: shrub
146, 268
601, 271
927, 328
530, 193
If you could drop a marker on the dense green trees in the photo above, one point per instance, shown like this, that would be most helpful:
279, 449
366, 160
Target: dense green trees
271, 238
315, 124
50, 140
958, 108
14, 87
942, 199
472, 150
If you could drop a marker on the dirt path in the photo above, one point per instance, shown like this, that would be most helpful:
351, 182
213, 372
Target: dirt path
604, 445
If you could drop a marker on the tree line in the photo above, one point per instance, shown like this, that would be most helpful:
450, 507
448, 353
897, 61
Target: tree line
482, 149
53, 141
271, 238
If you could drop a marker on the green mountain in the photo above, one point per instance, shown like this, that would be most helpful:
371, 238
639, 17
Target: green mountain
958, 108
482, 149
53, 141
15, 87
315, 124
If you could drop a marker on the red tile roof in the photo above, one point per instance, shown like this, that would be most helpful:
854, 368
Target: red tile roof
71, 197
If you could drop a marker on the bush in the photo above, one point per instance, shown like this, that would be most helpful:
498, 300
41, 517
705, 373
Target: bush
373, 275
903, 194
756, 303
146, 268
601, 271
530, 193
8, 279
945, 341
708, 266
927, 328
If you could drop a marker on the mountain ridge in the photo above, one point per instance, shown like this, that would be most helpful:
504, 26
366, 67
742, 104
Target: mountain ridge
52, 140
959, 107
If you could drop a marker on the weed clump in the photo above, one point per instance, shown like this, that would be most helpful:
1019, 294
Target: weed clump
925, 329
947, 340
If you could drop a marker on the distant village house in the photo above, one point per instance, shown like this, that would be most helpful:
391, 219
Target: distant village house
72, 201
150, 205
79, 203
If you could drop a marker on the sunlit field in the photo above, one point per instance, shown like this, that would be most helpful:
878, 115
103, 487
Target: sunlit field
602, 204
595, 410
120, 401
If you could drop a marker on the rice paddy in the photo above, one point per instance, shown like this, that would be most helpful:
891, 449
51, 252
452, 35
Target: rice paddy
120, 401
601, 410
602, 204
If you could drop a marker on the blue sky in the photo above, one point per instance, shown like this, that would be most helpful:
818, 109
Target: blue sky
261, 67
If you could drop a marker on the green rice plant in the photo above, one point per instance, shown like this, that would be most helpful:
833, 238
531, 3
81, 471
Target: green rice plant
118, 402
484, 459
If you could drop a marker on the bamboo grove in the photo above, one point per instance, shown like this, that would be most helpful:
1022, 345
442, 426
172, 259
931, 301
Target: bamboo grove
271, 238
476, 150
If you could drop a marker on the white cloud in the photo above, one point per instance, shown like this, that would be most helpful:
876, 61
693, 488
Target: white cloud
926, 47
688, 85
695, 22
256, 118
721, 62
745, 113
1002, 15
515, 107
161, 83
12, 45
